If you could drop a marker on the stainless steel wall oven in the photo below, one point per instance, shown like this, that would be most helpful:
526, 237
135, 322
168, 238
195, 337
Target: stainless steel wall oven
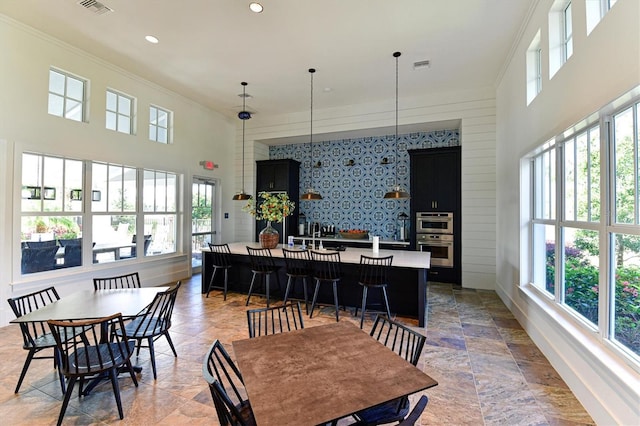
434, 233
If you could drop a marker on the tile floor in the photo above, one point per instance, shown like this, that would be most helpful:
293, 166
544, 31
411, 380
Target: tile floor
489, 371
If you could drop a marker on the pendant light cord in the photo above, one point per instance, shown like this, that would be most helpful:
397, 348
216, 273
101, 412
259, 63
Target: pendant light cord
244, 109
311, 71
396, 55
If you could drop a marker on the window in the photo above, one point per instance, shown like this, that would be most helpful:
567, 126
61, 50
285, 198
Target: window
560, 35
51, 216
119, 112
580, 260
160, 215
543, 218
66, 95
159, 124
567, 30
534, 68
596, 9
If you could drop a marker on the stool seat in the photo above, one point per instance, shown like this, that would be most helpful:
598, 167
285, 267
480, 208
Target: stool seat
374, 273
220, 255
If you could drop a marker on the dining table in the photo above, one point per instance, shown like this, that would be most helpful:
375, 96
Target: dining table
319, 374
94, 304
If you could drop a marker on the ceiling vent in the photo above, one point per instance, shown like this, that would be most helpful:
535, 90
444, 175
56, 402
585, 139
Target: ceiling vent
422, 64
95, 7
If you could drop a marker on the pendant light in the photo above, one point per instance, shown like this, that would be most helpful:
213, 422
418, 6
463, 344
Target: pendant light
243, 115
397, 193
311, 194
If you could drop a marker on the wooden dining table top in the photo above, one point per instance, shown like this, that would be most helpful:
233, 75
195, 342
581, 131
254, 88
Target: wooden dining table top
314, 375
91, 304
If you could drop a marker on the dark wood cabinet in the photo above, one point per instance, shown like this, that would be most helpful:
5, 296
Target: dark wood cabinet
435, 179
436, 187
279, 176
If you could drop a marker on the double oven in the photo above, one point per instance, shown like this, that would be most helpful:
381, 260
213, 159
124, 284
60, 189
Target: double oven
434, 233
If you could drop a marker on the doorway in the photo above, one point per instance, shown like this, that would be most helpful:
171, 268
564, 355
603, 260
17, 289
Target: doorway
203, 221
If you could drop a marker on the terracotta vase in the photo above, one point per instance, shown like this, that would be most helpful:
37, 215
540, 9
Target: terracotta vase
269, 237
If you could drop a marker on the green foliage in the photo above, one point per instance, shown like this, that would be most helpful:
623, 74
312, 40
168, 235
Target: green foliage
581, 293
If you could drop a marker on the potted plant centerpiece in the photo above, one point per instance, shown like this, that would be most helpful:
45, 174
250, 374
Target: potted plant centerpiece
272, 207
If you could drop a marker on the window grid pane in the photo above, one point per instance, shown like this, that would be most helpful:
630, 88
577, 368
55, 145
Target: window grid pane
66, 96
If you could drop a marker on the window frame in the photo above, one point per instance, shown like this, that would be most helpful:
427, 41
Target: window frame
118, 113
154, 125
65, 96
604, 325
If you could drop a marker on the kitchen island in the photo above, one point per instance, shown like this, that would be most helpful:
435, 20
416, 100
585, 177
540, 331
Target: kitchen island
407, 287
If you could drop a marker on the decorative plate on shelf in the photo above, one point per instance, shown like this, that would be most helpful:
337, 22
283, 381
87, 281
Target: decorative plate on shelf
354, 234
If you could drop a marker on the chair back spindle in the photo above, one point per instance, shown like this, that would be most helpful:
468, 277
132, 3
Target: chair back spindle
121, 281
276, 319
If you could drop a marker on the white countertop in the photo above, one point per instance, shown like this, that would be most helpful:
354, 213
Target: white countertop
401, 258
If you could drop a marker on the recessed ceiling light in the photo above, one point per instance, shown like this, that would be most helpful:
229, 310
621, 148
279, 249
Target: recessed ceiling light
151, 39
255, 7
327, 89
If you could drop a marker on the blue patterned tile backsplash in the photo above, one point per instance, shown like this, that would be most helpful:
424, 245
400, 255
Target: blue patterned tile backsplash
354, 175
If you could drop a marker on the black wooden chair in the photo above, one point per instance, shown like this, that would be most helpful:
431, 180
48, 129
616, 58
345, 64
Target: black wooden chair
93, 351
36, 336
374, 273
408, 344
154, 322
262, 266
220, 260
276, 319
227, 388
415, 414
298, 265
326, 268
131, 280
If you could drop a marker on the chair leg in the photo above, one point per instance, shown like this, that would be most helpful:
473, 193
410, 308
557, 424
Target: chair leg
153, 357
67, 396
166, 334
286, 291
364, 305
386, 301
267, 282
132, 373
58, 361
315, 296
226, 282
213, 277
25, 367
113, 375
304, 290
250, 289
335, 300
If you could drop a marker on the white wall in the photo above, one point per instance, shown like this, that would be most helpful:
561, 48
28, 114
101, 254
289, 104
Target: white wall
603, 66
199, 134
475, 109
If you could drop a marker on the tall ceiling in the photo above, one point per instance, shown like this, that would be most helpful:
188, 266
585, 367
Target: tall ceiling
208, 47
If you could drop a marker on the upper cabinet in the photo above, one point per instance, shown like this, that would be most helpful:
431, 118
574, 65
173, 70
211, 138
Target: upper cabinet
280, 176
435, 179
277, 175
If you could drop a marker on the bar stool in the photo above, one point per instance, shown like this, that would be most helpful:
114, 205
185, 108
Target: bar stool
262, 265
374, 273
220, 260
326, 268
298, 264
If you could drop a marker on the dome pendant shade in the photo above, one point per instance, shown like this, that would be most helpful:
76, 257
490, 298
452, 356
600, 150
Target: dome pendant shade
311, 194
397, 193
243, 115
241, 196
